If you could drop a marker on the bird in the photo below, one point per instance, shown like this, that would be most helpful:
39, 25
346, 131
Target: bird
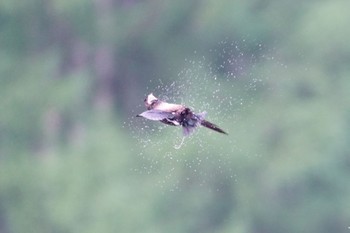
176, 115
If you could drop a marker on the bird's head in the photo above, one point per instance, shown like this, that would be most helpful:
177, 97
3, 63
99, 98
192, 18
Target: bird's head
150, 99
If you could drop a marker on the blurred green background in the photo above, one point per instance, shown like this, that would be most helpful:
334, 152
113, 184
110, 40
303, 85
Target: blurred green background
75, 72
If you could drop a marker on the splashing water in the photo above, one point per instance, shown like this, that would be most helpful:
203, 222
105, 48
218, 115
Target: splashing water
181, 143
224, 85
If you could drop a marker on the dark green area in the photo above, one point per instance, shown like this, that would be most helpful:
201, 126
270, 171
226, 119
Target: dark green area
73, 71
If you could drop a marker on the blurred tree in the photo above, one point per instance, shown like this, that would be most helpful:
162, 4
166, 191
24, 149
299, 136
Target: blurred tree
73, 71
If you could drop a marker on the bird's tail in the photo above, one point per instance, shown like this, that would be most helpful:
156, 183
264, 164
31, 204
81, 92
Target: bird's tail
212, 126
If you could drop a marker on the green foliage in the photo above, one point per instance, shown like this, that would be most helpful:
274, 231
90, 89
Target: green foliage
74, 72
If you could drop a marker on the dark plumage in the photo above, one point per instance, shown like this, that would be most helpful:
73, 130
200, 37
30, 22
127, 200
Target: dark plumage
176, 115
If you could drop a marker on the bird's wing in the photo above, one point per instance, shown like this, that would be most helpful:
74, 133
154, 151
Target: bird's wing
155, 115
166, 107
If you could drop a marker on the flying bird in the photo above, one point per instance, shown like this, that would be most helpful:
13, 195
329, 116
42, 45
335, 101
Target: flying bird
176, 115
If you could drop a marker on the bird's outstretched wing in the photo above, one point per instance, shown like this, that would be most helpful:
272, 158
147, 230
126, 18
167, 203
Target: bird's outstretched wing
155, 115
167, 107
